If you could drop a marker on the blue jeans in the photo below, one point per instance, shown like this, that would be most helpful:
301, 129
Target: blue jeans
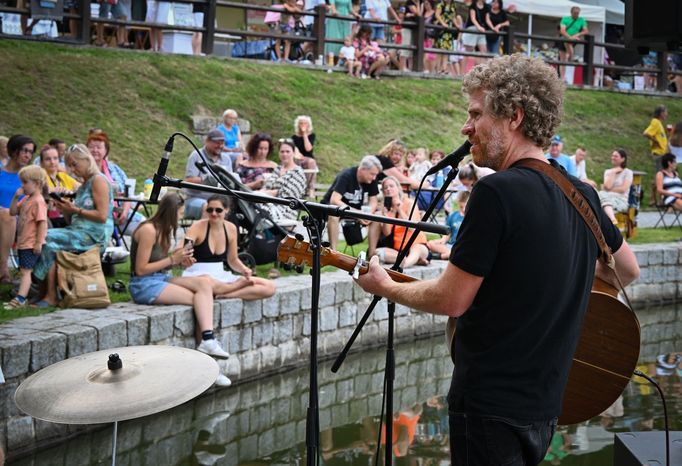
492, 440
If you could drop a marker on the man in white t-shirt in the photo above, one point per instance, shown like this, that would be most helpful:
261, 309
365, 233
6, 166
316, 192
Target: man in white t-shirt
378, 9
581, 166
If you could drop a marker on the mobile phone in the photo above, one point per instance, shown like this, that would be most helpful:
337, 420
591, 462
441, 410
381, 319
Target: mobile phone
189, 244
56, 196
388, 202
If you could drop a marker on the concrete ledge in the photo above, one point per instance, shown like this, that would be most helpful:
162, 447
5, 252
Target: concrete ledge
263, 336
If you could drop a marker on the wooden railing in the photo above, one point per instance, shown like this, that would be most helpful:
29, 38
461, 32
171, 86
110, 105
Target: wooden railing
317, 37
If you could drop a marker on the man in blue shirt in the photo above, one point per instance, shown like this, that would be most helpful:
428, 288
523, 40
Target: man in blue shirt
562, 159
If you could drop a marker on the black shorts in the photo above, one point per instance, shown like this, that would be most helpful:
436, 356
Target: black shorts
27, 259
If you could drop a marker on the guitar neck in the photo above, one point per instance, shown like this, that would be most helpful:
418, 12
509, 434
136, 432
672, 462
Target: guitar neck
347, 263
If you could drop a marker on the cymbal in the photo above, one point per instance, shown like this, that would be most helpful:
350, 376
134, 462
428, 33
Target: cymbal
84, 390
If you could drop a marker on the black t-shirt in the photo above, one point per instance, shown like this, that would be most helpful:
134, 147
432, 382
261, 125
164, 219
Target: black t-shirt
352, 192
513, 346
385, 165
480, 15
298, 142
496, 18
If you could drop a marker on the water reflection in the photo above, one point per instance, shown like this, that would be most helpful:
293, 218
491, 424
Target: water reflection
263, 422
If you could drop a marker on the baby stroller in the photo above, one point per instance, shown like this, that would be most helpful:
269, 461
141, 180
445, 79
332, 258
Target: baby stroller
258, 235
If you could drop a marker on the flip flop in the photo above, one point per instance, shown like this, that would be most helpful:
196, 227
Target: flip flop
42, 304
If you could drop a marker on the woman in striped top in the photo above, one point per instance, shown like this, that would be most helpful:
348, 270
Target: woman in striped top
668, 183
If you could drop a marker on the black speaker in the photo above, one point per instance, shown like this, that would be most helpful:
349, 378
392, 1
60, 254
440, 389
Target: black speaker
638, 448
653, 24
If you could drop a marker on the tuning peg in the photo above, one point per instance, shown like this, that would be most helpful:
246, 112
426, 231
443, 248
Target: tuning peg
299, 237
299, 268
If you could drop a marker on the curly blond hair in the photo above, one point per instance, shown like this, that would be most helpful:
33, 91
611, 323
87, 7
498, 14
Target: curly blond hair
517, 81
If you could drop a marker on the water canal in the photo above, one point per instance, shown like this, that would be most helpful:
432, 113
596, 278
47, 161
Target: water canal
263, 422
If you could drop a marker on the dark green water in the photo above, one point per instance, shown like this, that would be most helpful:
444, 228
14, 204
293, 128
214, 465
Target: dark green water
263, 422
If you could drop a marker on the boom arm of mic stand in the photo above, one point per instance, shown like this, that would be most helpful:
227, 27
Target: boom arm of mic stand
402, 253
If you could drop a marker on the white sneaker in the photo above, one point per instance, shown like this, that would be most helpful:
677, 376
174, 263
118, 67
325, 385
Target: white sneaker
213, 348
222, 381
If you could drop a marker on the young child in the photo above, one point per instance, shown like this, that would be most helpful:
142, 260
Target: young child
421, 165
347, 54
32, 226
443, 245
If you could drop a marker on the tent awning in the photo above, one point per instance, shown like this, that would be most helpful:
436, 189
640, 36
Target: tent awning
615, 10
558, 9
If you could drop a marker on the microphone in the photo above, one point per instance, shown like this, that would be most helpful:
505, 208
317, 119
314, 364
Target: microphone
201, 166
452, 159
161, 171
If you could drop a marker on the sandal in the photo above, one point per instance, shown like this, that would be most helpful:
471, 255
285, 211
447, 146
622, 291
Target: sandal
42, 304
15, 303
118, 287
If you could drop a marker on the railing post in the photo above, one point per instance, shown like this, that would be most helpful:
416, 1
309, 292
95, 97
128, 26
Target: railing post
418, 36
86, 24
662, 81
319, 29
508, 46
208, 37
588, 69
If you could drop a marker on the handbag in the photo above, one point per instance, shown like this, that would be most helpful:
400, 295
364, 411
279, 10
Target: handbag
81, 281
352, 232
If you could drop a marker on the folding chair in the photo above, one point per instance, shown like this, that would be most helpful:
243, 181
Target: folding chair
663, 210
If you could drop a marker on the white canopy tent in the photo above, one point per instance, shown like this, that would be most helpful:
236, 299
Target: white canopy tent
546, 15
615, 10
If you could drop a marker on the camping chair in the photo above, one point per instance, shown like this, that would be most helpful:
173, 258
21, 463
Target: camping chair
663, 210
627, 221
352, 233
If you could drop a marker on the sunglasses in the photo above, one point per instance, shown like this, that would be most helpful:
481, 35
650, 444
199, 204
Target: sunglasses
287, 140
217, 210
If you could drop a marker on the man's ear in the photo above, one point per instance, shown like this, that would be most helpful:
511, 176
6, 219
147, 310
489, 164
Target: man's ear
516, 119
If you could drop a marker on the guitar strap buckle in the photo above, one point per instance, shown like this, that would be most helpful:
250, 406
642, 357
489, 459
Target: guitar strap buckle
355, 273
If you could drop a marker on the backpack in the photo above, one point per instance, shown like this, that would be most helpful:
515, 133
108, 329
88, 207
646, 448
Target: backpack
81, 281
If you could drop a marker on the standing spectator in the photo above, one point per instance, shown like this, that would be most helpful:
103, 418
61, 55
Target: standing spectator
217, 234
562, 159
581, 166
195, 173
122, 11
378, 10
658, 142
57, 181
286, 26
668, 183
446, 16
20, 149
571, 27
675, 142
4, 158
32, 211
233, 143
307, 20
337, 28
369, 53
157, 13
256, 168
304, 140
616, 187
152, 283
348, 190
476, 21
198, 12
497, 21
430, 58
90, 219
288, 180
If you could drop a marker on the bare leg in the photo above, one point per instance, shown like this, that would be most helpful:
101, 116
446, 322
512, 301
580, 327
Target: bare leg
278, 51
260, 289
608, 210
439, 248
373, 235
333, 231
51, 291
195, 291
287, 49
8, 228
196, 43
25, 283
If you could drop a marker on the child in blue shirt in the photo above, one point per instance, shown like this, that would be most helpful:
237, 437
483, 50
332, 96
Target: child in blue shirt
443, 245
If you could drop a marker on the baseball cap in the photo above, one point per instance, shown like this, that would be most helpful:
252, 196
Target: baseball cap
556, 139
215, 135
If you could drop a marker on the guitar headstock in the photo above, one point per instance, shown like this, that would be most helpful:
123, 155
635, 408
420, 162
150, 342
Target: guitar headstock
299, 253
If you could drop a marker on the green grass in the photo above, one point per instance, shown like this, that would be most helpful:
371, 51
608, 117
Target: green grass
140, 98
656, 235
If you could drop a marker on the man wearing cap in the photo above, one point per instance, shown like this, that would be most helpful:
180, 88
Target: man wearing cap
194, 173
562, 159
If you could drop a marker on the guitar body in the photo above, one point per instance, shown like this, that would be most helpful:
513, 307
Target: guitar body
605, 356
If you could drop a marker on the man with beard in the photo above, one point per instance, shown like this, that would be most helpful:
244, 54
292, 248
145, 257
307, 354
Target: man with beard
519, 275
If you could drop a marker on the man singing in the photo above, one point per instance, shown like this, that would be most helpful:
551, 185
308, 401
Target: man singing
519, 275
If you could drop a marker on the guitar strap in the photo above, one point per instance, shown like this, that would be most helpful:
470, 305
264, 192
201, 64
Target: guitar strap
578, 201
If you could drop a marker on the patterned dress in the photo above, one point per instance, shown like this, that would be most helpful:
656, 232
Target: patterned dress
251, 174
291, 184
338, 28
81, 235
448, 14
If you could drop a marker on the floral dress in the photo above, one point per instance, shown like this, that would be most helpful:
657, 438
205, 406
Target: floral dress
448, 13
81, 235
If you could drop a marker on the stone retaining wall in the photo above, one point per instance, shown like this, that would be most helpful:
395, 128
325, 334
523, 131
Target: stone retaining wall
263, 336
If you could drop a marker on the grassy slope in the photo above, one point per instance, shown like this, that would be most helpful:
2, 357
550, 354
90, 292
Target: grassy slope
141, 98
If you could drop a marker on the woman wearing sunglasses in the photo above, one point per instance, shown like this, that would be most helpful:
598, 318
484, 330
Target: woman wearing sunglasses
215, 243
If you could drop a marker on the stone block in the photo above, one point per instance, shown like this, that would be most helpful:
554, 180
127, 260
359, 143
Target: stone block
47, 349
348, 314
161, 322
46, 430
16, 356
259, 417
266, 442
231, 312
183, 322
286, 434
290, 301
248, 448
283, 330
644, 275
20, 432
655, 256
306, 300
79, 339
344, 290
262, 334
270, 358
8, 407
270, 306
250, 362
305, 330
253, 311
289, 352
642, 255
329, 319
671, 256
345, 391
111, 333
380, 311
79, 315
327, 292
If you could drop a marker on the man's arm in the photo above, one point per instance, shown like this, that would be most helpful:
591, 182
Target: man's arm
451, 294
627, 267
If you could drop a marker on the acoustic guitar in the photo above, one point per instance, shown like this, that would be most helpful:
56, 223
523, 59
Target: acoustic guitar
604, 359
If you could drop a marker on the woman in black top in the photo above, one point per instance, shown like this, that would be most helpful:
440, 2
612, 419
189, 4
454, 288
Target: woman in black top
215, 242
304, 140
497, 21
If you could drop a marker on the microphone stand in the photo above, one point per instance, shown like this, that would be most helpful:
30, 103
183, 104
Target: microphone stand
314, 222
390, 349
